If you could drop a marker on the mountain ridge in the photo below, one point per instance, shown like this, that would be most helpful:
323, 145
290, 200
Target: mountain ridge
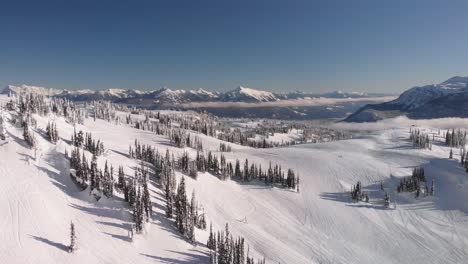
167, 95
429, 101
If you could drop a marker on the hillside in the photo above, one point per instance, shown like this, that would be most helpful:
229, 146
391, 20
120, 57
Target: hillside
318, 224
447, 99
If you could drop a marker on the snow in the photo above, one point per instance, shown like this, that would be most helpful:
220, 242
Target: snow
418, 96
38, 200
281, 138
257, 94
30, 88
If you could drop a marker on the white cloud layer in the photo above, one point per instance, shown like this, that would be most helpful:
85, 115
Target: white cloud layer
403, 121
299, 102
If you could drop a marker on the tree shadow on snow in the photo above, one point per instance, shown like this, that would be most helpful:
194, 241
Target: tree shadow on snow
451, 189
120, 153
181, 259
121, 237
159, 217
122, 225
105, 212
18, 140
51, 243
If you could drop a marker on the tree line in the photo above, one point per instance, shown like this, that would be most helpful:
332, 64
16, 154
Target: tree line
226, 249
420, 139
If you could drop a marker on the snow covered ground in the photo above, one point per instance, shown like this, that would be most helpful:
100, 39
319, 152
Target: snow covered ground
319, 224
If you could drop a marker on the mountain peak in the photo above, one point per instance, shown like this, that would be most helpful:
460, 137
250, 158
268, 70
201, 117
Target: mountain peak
30, 89
429, 101
456, 79
250, 95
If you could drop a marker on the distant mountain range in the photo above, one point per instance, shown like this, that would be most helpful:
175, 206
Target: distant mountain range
447, 99
241, 102
165, 96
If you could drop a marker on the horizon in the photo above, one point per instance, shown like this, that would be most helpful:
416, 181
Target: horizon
309, 46
198, 89
235, 88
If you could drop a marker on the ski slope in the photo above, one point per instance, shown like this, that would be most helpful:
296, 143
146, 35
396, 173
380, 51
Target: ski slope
319, 224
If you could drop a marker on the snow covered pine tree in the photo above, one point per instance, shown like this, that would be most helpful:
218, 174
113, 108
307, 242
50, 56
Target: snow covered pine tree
72, 246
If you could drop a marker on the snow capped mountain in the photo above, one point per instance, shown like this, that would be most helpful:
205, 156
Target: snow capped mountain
244, 94
412, 101
106, 94
169, 97
418, 96
455, 82
165, 98
31, 89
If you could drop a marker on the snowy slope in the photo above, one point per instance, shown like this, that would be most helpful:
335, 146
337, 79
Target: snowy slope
12, 89
317, 225
447, 99
418, 96
249, 95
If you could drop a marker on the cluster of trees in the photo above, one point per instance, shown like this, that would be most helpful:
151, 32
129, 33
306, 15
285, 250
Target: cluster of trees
87, 142
163, 165
176, 127
219, 167
244, 138
357, 194
247, 172
201, 122
136, 193
99, 181
165, 123
31, 103
42, 105
104, 110
143, 152
28, 134
420, 140
51, 132
181, 139
225, 249
187, 166
224, 147
185, 213
305, 134
416, 183
463, 158
455, 139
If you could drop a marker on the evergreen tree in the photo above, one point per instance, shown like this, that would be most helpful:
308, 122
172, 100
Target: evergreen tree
94, 174
211, 239
192, 218
72, 246
146, 200
181, 207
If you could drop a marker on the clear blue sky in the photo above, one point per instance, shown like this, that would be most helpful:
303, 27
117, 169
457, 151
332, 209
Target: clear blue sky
380, 46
